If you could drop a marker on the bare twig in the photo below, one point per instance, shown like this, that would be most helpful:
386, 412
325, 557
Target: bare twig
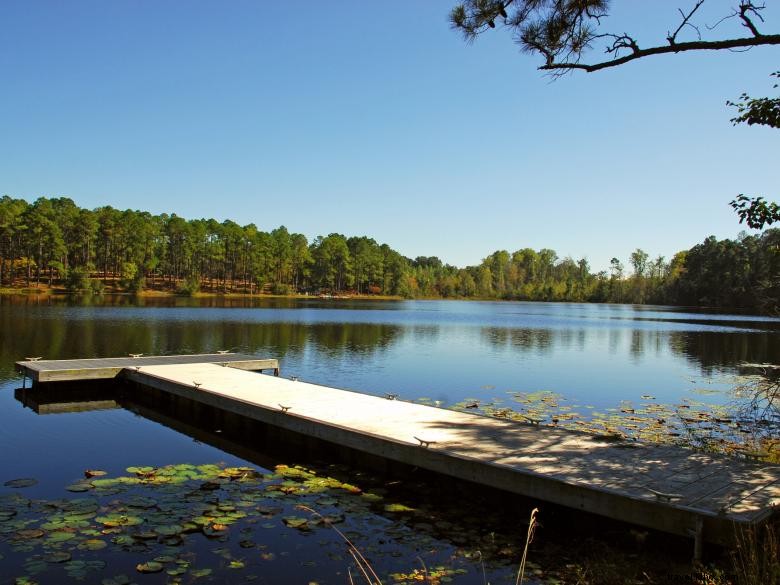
672, 38
746, 8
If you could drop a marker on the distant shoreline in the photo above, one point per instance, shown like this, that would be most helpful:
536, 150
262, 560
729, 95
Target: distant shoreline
61, 293
146, 294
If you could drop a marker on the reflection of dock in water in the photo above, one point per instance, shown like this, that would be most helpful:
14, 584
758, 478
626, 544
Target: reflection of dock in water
46, 400
671, 489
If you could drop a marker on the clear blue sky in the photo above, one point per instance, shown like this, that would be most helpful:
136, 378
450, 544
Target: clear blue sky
375, 118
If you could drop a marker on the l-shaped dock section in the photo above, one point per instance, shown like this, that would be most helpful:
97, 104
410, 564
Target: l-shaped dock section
668, 488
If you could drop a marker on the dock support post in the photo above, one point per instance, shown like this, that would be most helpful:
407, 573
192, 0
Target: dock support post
698, 539
276, 372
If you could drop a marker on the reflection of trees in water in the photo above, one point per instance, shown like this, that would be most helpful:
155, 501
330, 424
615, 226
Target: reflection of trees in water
645, 341
335, 339
55, 336
30, 326
425, 332
719, 350
615, 339
707, 350
540, 340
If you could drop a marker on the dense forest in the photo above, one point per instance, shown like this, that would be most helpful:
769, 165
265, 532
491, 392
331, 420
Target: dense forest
53, 242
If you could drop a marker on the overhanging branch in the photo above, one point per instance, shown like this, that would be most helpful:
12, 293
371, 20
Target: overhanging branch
742, 43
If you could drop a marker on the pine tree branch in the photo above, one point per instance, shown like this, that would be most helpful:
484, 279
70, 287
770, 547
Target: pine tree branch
742, 43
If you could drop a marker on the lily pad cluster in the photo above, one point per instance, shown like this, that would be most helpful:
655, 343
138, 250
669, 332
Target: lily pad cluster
690, 422
186, 523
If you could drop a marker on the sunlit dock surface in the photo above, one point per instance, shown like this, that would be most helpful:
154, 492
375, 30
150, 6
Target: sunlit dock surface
672, 489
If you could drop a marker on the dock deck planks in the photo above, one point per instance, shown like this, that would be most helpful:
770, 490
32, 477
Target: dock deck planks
571, 468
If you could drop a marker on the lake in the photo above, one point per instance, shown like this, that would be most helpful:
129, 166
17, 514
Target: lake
444, 352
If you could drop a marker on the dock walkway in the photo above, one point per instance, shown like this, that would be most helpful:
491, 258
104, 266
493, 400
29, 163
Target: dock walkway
672, 489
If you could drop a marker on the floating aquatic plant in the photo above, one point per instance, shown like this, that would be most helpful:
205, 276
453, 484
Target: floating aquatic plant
159, 516
689, 423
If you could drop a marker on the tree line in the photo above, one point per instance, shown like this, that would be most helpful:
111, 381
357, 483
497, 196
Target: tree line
53, 242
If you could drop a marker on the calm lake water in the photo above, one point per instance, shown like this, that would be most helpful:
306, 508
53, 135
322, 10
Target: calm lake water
446, 351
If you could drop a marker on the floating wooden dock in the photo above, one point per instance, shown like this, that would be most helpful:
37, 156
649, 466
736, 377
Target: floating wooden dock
40, 370
672, 489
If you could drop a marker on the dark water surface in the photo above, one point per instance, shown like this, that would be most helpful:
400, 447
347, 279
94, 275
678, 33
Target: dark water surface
448, 351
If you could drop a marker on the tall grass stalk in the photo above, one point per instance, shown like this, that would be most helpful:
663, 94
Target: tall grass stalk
362, 563
757, 556
529, 537
370, 576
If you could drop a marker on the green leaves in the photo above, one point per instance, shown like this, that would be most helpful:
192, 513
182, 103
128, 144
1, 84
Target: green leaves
756, 212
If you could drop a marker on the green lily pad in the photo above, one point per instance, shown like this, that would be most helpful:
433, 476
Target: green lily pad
58, 557
172, 541
150, 567
104, 482
398, 508
80, 516
29, 533
59, 536
168, 529
64, 524
6, 514
200, 572
173, 572
80, 505
214, 530
21, 482
370, 497
35, 566
93, 544
141, 502
145, 535
296, 522
113, 520
141, 470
